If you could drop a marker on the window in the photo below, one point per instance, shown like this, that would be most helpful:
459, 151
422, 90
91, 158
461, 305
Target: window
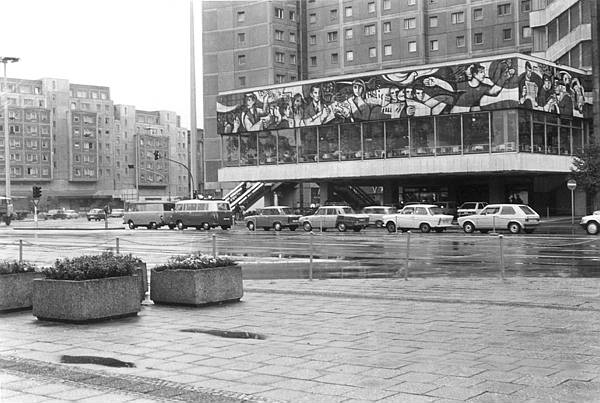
433, 21
507, 34
241, 16
387, 4
279, 13
504, 9
348, 11
312, 18
478, 14
333, 14
332, 36
370, 30
371, 7
387, 50
292, 15
434, 45
241, 37
460, 41
241, 60
525, 6
349, 33
412, 46
312, 40
457, 18
372, 52
526, 32
410, 23
334, 58
313, 61
280, 57
278, 35
478, 38
412, 2
387, 27
292, 59
349, 56
280, 78
293, 37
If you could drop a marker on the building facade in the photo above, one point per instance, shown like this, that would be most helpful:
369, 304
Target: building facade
407, 46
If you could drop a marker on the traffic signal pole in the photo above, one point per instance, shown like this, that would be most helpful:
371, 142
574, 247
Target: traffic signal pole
157, 156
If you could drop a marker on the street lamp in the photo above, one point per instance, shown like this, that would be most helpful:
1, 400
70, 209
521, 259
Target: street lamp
5, 60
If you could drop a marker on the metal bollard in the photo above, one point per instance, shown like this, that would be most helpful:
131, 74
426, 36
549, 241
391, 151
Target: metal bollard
310, 262
214, 245
117, 246
500, 237
493, 224
406, 263
20, 250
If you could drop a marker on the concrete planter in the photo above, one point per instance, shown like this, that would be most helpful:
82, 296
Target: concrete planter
196, 287
87, 300
15, 290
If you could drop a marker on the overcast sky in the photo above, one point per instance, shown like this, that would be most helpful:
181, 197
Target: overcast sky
138, 48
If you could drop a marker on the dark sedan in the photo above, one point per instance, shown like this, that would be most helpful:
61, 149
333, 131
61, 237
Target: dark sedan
96, 214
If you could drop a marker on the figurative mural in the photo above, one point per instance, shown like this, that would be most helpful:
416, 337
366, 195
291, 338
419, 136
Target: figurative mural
498, 84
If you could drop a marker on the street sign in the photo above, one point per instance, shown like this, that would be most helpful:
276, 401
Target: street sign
571, 184
36, 202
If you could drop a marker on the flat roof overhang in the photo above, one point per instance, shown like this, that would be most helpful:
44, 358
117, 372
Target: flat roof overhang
501, 163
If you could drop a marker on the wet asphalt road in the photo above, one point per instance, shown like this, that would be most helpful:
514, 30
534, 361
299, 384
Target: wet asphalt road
556, 249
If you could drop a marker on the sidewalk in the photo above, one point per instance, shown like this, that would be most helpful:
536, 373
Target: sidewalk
357, 340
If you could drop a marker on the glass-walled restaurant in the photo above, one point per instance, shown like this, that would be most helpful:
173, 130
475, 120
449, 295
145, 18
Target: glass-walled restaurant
498, 131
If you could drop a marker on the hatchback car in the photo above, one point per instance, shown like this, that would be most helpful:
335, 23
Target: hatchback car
95, 214
469, 208
56, 214
340, 217
376, 214
513, 217
276, 217
591, 223
71, 214
425, 217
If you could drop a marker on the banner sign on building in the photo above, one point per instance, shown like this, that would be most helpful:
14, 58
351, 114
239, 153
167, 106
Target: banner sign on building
480, 85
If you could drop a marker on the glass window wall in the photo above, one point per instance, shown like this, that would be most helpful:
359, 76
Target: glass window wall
231, 147
328, 143
350, 142
551, 139
373, 140
307, 146
286, 146
248, 147
504, 131
448, 134
539, 143
476, 133
396, 137
267, 148
565, 140
422, 136
525, 131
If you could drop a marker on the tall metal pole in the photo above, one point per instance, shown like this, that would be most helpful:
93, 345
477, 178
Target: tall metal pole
193, 130
6, 60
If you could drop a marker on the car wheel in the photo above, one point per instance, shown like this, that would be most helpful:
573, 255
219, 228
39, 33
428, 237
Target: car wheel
251, 226
378, 224
180, 225
153, 225
391, 227
341, 227
424, 227
592, 228
205, 226
293, 228
469, 227
131, 225
277, 226
307, 227
514, 228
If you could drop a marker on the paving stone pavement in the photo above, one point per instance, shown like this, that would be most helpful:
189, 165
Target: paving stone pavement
347, 340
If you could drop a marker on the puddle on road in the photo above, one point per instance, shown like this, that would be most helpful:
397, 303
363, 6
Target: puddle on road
89, 359
228, 334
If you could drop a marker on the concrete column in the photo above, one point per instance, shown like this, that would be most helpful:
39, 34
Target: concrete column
390, 193
496, 186
325, 192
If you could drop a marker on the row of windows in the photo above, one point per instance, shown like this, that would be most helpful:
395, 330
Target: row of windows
279, 13
31, 172
18, 143
80, 93
17, 157
85, 172
279, 36
29, 116
27, 129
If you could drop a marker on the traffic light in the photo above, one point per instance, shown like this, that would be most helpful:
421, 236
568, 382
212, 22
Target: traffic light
37, 192
156, 154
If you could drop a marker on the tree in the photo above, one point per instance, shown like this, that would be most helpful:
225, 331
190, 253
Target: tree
586, 171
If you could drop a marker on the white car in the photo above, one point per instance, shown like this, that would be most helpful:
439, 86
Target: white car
514, 217
71, 214
425, 217
340, 217
469, 208
376, 214
591, 223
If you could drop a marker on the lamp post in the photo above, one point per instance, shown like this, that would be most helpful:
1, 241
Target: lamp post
5, 60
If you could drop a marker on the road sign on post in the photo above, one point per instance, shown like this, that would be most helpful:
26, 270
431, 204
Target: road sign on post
571, 185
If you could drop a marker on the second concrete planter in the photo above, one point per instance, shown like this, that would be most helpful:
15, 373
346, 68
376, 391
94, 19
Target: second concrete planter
15, 290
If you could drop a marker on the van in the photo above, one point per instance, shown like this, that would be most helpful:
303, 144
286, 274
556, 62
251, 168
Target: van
201, 214
149, 214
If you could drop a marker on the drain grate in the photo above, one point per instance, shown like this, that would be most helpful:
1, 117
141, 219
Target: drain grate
227, 333
90, 359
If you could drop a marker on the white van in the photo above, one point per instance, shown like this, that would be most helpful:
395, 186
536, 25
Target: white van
149, 214
200, 214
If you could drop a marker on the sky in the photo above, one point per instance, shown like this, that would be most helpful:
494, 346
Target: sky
138, 48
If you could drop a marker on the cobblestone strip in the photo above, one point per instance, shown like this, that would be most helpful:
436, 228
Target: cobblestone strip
345, 294
151, 388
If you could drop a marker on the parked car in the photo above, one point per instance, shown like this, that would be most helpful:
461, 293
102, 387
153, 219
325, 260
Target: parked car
376, 214
56, 214
424, 217
591, 223
469, 208
276, 217
448, 207
117, 212
514, 217
340, 217
71, 214
95, 214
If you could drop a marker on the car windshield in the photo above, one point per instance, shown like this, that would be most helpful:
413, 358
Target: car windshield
527, 210
436, 210
467, 206
347, 210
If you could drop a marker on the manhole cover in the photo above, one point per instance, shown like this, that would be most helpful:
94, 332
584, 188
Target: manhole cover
88, 359
227, 333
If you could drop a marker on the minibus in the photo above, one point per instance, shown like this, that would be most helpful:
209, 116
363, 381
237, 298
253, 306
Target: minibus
200, 214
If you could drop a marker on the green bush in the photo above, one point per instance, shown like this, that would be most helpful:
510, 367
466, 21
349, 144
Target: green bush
92, 267
11, 267
195, 261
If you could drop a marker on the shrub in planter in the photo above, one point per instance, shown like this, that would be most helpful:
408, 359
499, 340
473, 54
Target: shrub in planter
88, 288
196, 279
16, 280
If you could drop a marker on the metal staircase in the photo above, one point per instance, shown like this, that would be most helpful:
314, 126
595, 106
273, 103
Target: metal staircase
246, 194
354, 195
